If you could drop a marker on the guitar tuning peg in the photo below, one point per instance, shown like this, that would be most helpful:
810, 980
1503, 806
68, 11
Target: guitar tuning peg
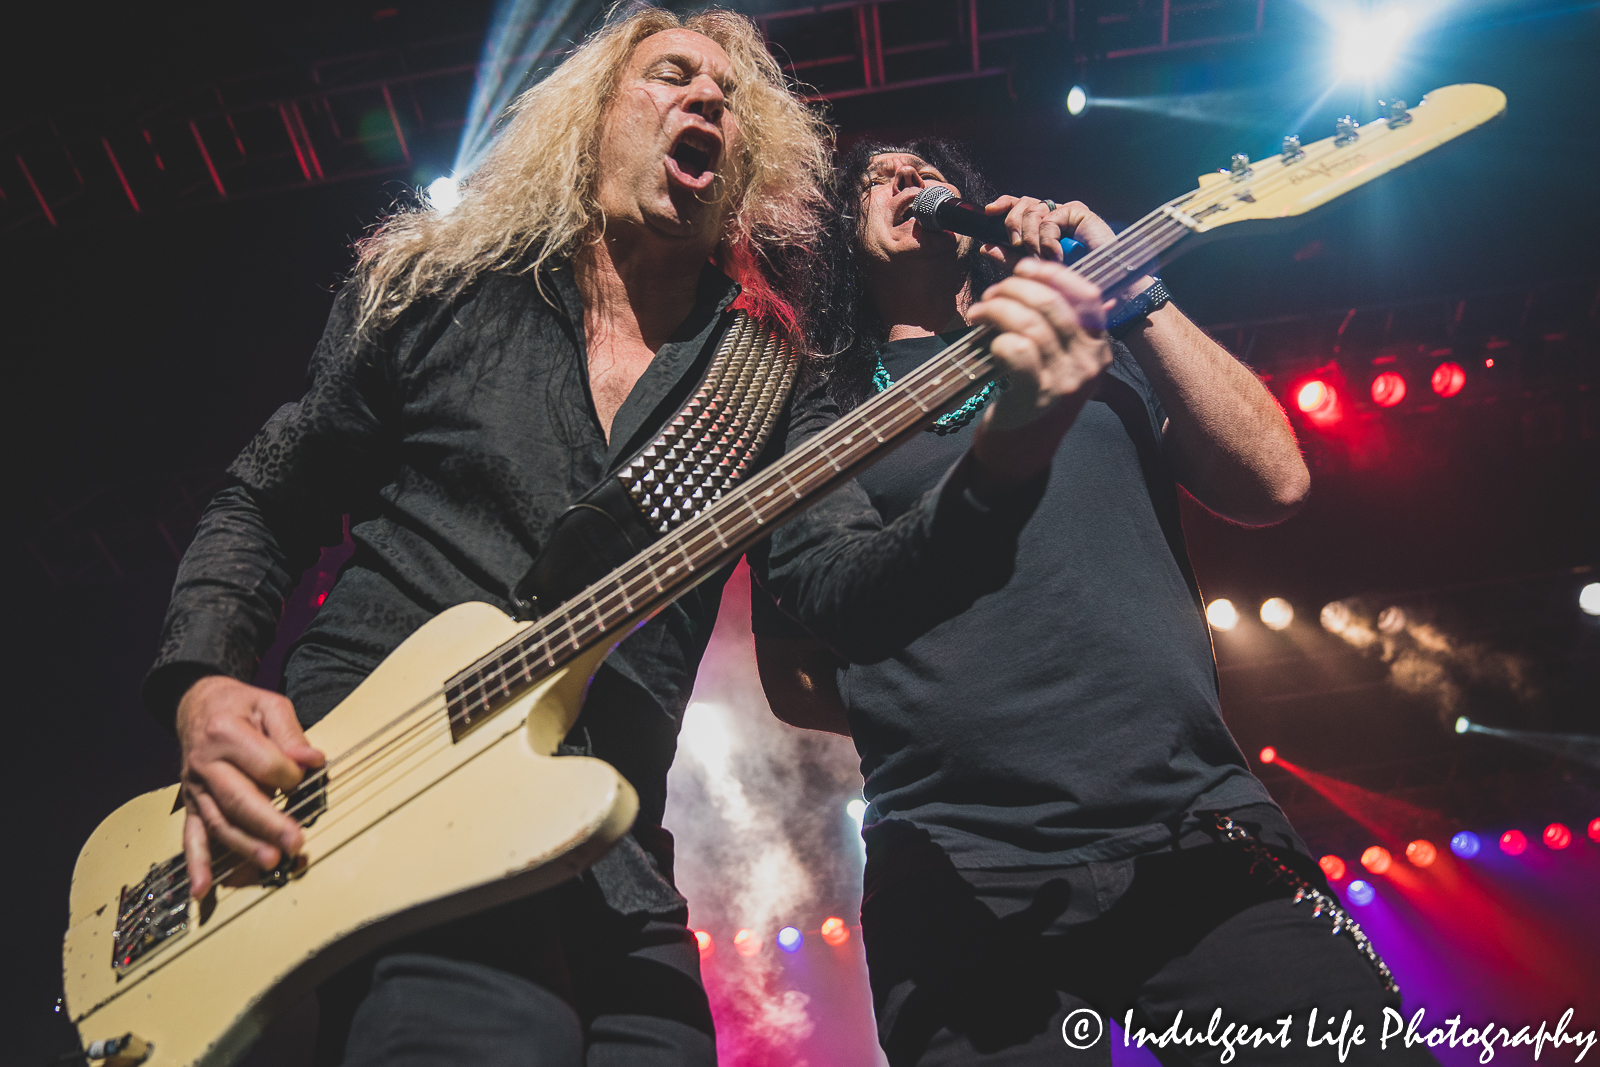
1395, 111
1344, 131
1291, 148
1239, 167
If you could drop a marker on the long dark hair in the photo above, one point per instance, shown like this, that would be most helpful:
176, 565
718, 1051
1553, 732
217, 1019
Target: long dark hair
842, 326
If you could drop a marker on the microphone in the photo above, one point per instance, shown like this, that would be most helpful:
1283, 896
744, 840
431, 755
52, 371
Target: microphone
943, 210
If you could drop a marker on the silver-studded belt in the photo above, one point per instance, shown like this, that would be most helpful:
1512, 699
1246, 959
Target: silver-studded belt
1264, 861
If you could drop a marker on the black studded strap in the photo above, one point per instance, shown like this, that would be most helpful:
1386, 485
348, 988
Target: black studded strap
708, 446
701, 453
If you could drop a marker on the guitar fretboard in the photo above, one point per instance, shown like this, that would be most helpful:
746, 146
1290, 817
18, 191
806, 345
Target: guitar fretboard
629, 595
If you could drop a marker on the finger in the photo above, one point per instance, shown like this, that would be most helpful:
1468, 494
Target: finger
197, 854
1064, 316
1083, 295
1011, 317
246, 809
230, 837
242, 742
283, 729
1026, 220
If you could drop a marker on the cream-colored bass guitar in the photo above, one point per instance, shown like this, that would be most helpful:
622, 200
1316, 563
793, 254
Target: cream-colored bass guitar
442, 795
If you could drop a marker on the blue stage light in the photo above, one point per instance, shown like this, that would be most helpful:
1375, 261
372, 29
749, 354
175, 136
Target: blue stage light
1359, 893
789, 939
1465, 844
1077, 100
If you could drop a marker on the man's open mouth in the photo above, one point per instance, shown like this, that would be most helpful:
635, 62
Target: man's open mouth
693, 158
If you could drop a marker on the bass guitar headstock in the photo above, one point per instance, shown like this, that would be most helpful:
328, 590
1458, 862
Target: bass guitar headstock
1306, 177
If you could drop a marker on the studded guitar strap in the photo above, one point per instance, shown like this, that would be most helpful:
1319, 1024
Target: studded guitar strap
701, 453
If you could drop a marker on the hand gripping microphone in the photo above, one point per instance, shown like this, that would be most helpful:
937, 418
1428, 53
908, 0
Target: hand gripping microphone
942, 209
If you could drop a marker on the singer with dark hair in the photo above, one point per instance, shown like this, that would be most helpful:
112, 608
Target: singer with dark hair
1060, 828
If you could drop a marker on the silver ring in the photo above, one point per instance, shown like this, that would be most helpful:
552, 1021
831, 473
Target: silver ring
1050, 205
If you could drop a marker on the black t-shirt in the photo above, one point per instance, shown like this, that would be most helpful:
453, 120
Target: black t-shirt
1071, 714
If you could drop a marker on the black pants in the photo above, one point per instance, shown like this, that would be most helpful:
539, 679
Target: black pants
986, 967
556, 980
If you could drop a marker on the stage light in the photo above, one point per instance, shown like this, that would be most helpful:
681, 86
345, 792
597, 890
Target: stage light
1333, 867
1316, 397
1512, 842
1448, 379
1077, 100
1465, 844
1463, 724
1388, 389
746, 943
1594, 831
789, 939
1277, 613
1360, 893
1269, 754
857, 810
834, 931
1376, 859
1391, 620
703, 940
1557, 836
1421, 853
1589, 598
1221, 614
443, 194
1335, 617
1368, 43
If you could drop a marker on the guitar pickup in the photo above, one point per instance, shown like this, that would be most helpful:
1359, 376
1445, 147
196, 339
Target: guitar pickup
150, 914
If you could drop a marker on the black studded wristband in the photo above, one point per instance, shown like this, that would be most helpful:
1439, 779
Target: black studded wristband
1130, 311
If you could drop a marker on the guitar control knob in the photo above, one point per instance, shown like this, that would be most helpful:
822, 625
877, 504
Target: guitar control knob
1291, 148
1344, 131
1239, 168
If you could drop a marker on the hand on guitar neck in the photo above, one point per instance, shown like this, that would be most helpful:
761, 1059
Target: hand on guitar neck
1054, 347
239, 743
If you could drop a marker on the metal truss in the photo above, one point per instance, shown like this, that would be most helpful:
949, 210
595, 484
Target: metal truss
389, 113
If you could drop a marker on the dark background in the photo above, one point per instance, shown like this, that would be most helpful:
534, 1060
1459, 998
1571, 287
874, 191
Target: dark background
142, 351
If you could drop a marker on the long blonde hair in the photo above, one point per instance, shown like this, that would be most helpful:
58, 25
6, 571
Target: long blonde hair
534, 198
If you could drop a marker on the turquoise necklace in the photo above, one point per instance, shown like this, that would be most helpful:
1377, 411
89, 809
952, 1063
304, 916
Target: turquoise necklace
951, 421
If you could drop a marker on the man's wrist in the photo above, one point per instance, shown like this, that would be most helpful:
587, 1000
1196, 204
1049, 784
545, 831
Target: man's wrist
1137, 307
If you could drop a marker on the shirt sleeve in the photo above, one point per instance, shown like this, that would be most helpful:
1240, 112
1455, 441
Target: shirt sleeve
868, 588
289, 490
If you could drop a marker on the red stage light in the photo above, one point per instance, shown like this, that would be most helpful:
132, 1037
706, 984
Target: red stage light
1448, 378
746, 943
834, 931
1557, 836
703, 939
1489, 363
1421, 853
1594, 830
1512, 842
1269, 754
1388, 389
1316, 397
1332, 866
1376, 859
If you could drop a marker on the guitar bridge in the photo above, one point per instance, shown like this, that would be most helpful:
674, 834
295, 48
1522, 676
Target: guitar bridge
150, 914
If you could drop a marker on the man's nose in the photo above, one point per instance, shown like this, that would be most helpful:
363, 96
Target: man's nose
705, 99
907, 177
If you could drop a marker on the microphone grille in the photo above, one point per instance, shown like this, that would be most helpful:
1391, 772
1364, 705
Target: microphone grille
927, 202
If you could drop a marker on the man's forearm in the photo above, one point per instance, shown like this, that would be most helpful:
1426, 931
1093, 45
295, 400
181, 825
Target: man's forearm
1235, 449
229, 593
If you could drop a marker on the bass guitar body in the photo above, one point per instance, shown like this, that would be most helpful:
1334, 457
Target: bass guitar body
415, 827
